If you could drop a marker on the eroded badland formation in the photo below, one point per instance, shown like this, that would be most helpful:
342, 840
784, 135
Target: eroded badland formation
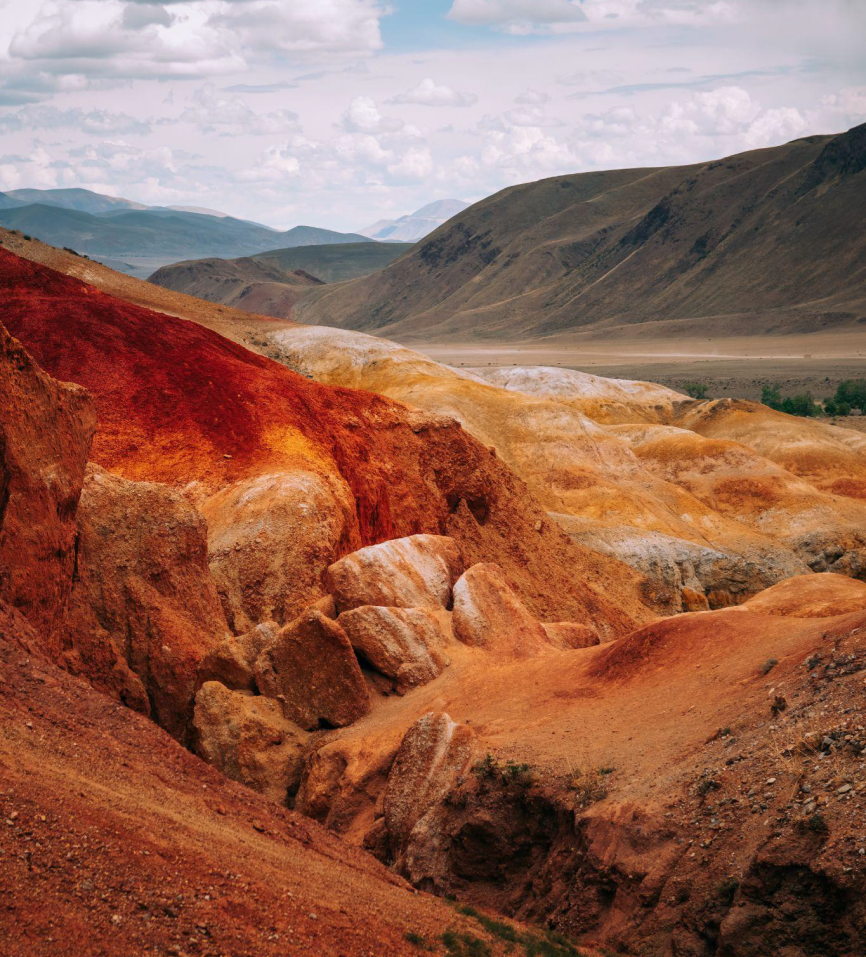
312, 645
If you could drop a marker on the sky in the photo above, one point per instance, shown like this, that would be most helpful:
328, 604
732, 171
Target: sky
337, 113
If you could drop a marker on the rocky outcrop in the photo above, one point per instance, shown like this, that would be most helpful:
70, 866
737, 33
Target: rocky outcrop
810, 596
248, 740
434, 755
404, 644
144, 611
231, 661
269, 539
311, 669
567, 635
46, 429
687, 576
488, 614
413, 572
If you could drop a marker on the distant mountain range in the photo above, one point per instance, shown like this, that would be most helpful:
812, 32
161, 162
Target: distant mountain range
139, 239
416, 225
271, 283
768, 241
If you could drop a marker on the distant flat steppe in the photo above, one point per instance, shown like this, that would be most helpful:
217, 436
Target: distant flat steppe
736, 367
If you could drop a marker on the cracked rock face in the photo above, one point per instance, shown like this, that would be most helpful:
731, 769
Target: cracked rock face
46, 429
144, 610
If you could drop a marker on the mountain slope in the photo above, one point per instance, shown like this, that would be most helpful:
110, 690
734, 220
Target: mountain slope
158, 236
241, 283
335, 262
766, 241
417, 225
82, 200
272, 282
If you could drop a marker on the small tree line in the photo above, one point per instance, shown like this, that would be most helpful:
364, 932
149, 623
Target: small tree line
850, 396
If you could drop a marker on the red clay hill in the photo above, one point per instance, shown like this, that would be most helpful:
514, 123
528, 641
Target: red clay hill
179, 404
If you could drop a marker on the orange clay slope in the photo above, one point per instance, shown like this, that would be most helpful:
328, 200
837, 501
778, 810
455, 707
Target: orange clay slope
118, 841
179, 404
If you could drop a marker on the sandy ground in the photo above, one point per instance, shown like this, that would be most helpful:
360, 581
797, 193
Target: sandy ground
734, 367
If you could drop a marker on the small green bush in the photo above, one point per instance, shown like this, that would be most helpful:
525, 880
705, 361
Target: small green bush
697, 390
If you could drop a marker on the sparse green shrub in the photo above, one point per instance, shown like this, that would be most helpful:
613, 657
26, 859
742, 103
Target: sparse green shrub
768, 666
464, 945
852, 392
588, 784
417, 940
705, 785
771, 397
508, 773
26, 237
802, 404
697, 390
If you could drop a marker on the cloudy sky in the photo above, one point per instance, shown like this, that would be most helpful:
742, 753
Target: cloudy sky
339, 112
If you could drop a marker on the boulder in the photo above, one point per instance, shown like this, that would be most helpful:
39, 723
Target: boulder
413, 572
231, 661
405, 644
434, 755
144, 611
311, 668
570, 634
248, 740
488, 614
270, 538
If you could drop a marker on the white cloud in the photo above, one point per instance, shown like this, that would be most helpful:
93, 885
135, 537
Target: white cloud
363, 116
199, 38
415, 164
275, 165
850, 103
333, 27
429, 93
776, 126
532, 98
97, 122
519, 16
212, 110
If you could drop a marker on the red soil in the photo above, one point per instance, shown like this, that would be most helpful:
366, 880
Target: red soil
115, 840
177, 403
174, 397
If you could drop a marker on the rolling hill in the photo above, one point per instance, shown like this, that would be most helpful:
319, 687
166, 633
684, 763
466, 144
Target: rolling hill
82, 200
768, 241
242, 283
271, 283
335, 262
145, 238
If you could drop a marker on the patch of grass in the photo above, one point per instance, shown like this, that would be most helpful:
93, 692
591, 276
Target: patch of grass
464, 945
588, 784
768, 665
509, 773
548, 944
705, 785
417, 940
